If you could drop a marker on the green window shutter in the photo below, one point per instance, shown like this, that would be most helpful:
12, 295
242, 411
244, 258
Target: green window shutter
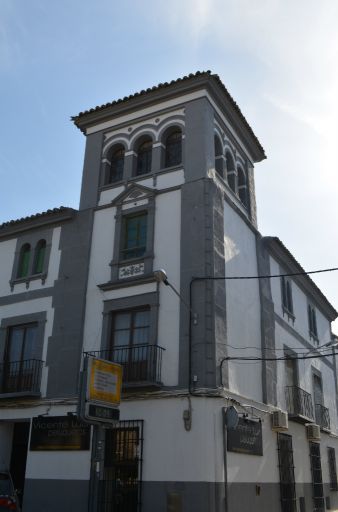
40, 252
23, 267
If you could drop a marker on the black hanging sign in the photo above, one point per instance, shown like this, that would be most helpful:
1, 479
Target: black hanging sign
246, 437
59, 433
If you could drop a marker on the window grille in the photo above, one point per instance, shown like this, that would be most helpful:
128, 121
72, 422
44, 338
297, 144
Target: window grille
121, 487
286, 473
317, 478
332, 468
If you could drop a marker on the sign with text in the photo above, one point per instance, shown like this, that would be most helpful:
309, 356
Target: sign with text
104, 382
246, 437
131, 270
100, 413
59, 433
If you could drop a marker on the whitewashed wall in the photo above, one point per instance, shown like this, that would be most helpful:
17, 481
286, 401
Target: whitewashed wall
165, 180
166, 255
300, 304
242, 305
285, 338
7, 258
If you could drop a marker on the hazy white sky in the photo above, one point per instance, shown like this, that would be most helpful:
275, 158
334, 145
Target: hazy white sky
278, 59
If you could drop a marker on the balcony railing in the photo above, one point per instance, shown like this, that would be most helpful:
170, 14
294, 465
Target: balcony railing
141, 363
322, 416
20, 376
298, 403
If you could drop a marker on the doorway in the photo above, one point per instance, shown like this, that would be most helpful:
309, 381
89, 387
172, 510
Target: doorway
120, 489
19, 455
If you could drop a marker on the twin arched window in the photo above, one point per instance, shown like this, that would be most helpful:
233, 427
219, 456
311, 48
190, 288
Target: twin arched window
144, 154
24, 258
173, 149
39, 257
172, 155
116, 165
24, 266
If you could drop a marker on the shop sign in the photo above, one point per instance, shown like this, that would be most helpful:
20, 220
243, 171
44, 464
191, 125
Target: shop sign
246, 437
59, 433
104, 382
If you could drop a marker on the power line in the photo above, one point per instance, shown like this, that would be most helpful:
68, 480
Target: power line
290, 274
295, 349
318, 356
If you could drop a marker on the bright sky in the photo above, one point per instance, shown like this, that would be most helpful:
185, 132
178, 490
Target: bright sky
278, 59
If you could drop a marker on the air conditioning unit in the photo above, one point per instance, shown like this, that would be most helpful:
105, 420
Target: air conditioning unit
279, 420
312, 431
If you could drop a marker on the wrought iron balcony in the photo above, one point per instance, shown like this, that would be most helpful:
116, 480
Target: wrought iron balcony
21, 376
299, 403
322, 416
141, 363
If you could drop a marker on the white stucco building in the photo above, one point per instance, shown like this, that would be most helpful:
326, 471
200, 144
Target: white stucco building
168, 183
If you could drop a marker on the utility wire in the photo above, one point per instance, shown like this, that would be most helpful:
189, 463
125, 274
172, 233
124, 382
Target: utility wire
318, 356
212, 278
295, 349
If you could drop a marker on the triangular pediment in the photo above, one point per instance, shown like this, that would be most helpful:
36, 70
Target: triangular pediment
134, 192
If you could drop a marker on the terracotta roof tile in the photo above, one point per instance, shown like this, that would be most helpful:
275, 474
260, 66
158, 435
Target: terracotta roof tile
164, 85
48, 213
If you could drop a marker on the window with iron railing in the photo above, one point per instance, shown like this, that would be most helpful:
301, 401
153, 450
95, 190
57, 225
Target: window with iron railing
317, 478
20, 370
331, 454
286, 473
120, 489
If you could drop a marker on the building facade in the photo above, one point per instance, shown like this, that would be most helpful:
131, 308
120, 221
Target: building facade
229, 397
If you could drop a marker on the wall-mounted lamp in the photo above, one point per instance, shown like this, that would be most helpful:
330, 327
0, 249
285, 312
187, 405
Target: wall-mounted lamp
161, 277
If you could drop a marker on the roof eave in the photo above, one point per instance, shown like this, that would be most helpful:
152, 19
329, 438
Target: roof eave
16, 227
138, 101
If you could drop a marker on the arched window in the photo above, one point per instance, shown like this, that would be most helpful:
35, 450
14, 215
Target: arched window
23, 267
116, 165
173, 149
144, 157
231, 172
39, 257
242, 187
218, 156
